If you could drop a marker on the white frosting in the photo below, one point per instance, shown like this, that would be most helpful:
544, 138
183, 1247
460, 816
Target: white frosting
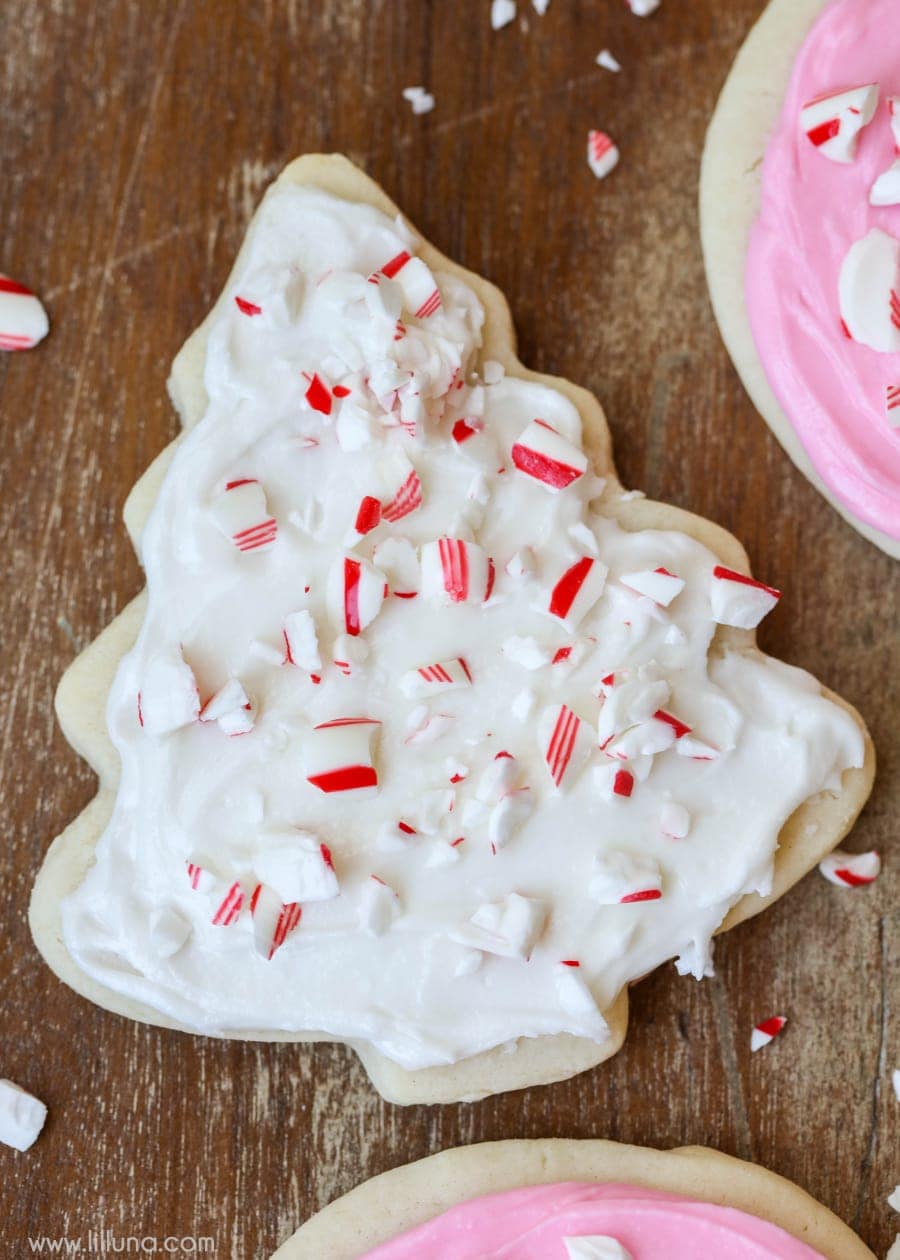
490, 871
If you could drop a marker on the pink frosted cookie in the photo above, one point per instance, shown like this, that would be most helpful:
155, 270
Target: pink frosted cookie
570, 1200
425, 736
800, 215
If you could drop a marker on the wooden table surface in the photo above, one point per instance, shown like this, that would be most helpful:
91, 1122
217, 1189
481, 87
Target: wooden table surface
136, 138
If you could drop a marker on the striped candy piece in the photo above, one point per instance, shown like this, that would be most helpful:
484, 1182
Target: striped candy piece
23, 320
851, 870
340, 756
765, 1032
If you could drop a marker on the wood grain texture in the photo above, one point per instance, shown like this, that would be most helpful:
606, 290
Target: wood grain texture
136, 138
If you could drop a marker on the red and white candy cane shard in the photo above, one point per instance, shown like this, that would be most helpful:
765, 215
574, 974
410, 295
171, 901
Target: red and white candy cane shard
429, 680
230, 708
247, 307
199, 878
421, 295
674, 820
832, 123
565, 744
229, 908
405, 499
851, 870
340, 755
623, 878
696, 749
766, 1031
298, 866
509, 928
242, 514
356, 593
543, 453
623, 783
397, 559
318, 395
680, 728
456, 572
395, 265
465, 429
508, 816
23, 320
657, 584
602, 154
739, 600
868, 288
368, 516
301, 644
379, 906
503, 776
577, 591
273, 921
168, 699
892, 404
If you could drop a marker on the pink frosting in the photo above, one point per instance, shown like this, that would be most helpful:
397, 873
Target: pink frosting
531, 1224
832, 389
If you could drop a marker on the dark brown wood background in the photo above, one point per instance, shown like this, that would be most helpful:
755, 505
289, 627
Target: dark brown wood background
136, 137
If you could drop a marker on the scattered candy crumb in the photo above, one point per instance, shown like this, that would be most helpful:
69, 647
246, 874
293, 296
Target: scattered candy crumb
22, 1116
607, 61
850, 870
602, 154
23, 320
894, 1199
422, 101
502, 13
766, 1031
643, 8
540, 6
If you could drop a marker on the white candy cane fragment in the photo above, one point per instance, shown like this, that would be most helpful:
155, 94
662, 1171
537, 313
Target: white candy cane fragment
576, 999
522, 564
348, 653
643, 8
622, 878
339, 755
22, 1116
273, 921
869, 289
168, 699
543, 453
739, 600
23, 320
565, 743
525, 650
379, 906
502, 13
503, 776
508, 816
423, 727
356, 591
851, 870
630, 700
674, 820
657, 584
892, 405
229, 908
241, 514
766, 1031
895, 1082
893, 1200
832, 123
405, 494
595, 1247
456, 572
230, 707
509, 928
429, 680
577, 591
301, 643
297, 865
602, 154
421, 295
397, 559
420, 99
607, 61
886, 189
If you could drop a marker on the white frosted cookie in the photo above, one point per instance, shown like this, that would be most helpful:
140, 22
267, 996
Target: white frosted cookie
575, 1200
425, 737
801, 264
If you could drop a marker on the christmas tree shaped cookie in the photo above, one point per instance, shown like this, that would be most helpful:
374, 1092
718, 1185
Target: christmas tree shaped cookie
425, 737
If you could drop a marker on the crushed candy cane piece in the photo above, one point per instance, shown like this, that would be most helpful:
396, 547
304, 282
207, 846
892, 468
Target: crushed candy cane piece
508, 816
643, 8
595, 1247
893, 1199
895, 1081
301, 643
851, 870
607, 61
577, 591
886, 189
397, 559
833, 122
525, 650
657, 584
675, 821
168, 699
420, 99
543, 453
509, 928
356, 591
540, 6
273, 921
428, 680
766, 1031
622, 878
242, 514
424, 728
318, 395
602, 154
739, 600
456, 572
379, 906
229, 908
869, 289
502, 13
339, 755
575, 997
421, 295
23, 320
892, 404
566, 744
22, 1116
227, 699
297, 865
